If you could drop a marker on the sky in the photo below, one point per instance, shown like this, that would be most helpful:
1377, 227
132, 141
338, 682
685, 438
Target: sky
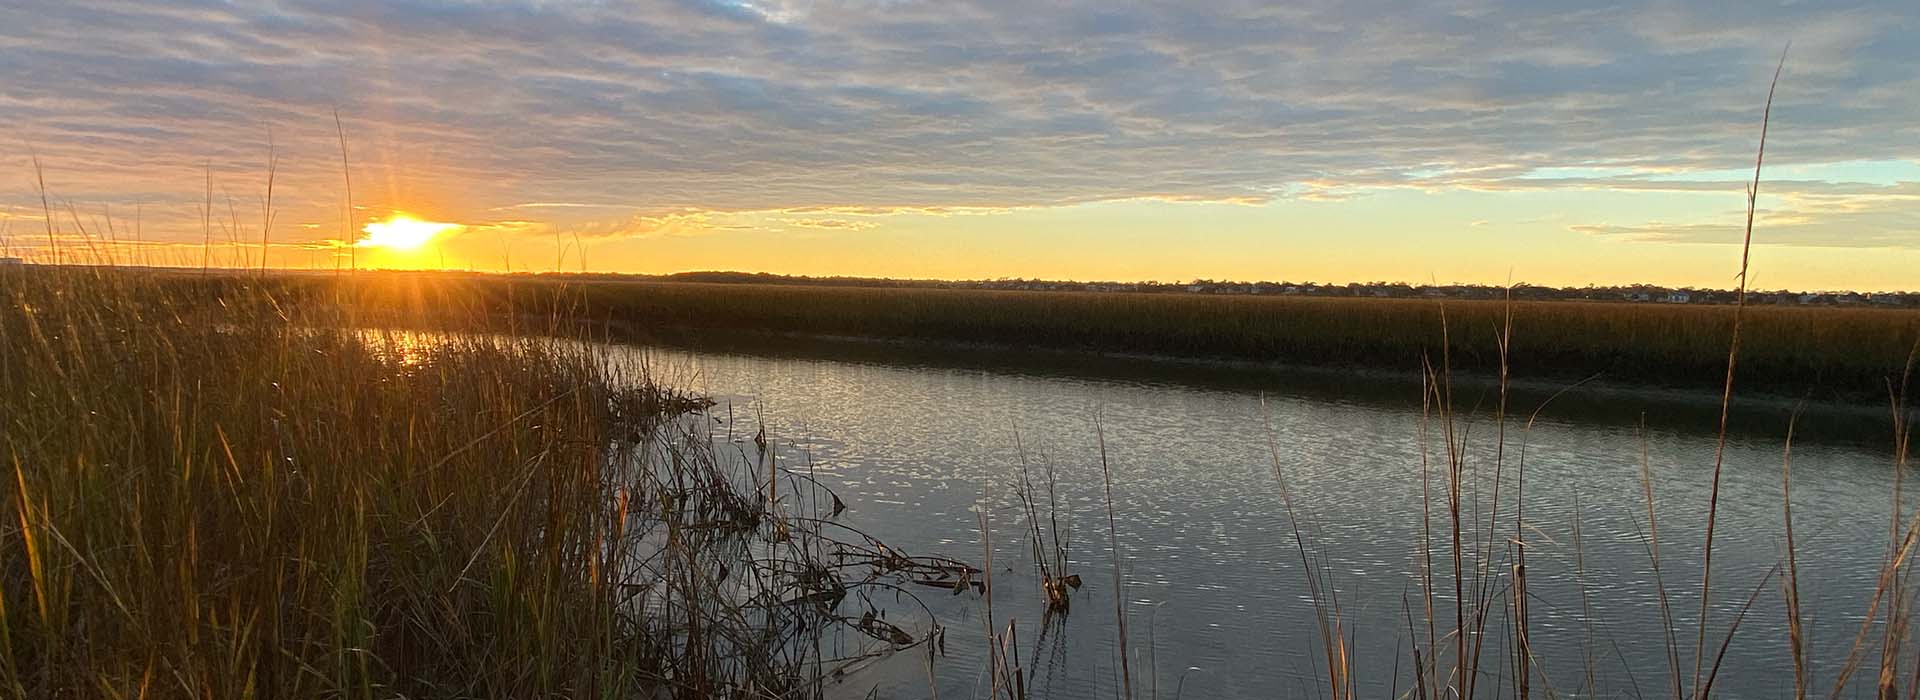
1478, 141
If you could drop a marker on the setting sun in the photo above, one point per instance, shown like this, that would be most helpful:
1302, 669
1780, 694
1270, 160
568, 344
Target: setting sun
402, 232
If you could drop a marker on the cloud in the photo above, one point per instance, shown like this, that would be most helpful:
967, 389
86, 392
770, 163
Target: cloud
672, 224
1888, 218
830, 224
845, 106
559, 205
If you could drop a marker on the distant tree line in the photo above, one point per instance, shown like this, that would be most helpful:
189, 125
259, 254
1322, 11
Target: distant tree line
1636, 293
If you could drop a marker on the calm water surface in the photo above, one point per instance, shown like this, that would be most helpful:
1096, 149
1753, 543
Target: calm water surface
1213, 584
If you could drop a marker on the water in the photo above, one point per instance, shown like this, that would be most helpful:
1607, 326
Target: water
920, 444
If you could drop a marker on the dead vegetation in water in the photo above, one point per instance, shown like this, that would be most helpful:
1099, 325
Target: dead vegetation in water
1047, 540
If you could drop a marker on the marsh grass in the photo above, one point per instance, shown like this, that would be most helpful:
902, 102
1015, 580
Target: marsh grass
1785, 350
215, 492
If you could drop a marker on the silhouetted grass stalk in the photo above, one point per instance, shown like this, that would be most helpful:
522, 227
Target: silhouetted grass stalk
1726, 393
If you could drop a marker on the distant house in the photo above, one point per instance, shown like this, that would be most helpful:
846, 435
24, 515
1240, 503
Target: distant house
1639, 296
1679, 297
12, 261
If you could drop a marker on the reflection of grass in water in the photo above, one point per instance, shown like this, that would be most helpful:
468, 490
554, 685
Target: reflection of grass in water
216, 494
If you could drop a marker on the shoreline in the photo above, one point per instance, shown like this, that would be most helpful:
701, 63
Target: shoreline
1828, 360
1755, 412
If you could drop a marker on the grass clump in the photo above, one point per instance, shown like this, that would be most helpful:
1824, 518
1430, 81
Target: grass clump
230, 495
